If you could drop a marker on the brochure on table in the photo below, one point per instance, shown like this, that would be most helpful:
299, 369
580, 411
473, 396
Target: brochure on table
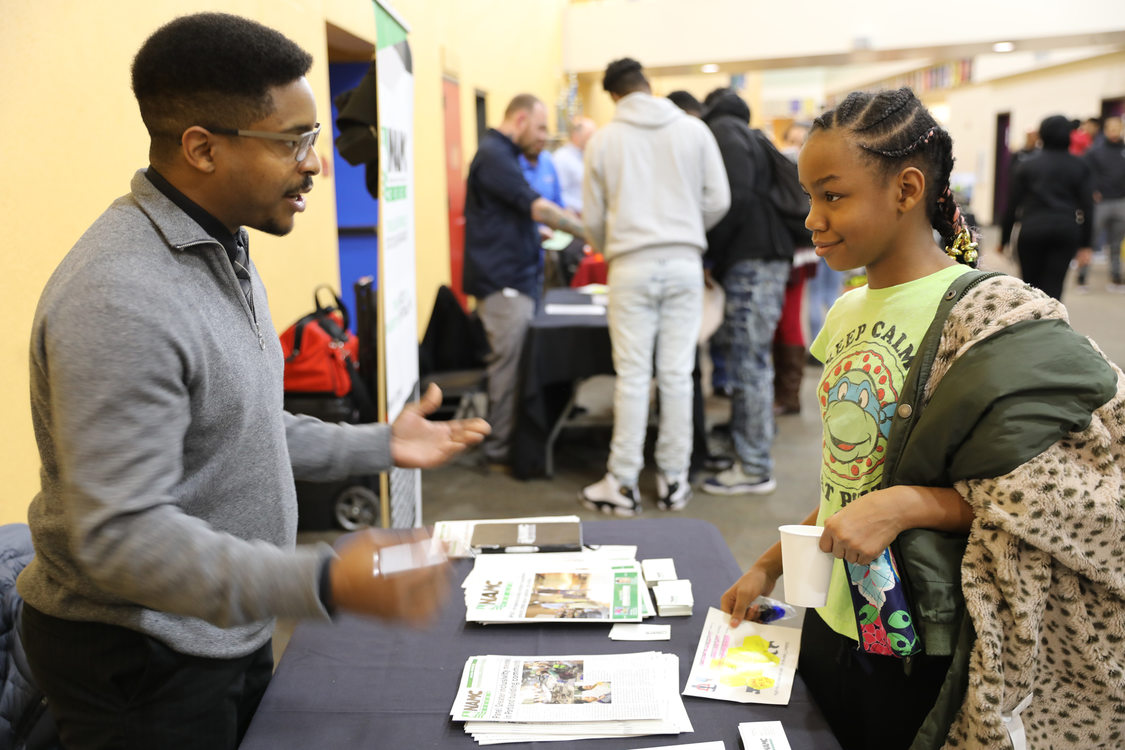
752, 663
591, 590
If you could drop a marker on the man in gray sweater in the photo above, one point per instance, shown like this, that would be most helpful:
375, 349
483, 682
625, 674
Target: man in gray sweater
166, 524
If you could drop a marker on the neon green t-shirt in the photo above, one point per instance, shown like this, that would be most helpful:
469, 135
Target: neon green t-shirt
869, 339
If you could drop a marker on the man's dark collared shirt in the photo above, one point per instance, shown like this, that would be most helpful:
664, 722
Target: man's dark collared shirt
237, 246
501, 241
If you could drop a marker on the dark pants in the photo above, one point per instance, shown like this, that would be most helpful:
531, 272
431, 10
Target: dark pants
699, 449
1045, 251
110, 687
869, 700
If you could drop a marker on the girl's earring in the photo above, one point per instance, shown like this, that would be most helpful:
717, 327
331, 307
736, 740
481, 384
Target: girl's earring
963, 249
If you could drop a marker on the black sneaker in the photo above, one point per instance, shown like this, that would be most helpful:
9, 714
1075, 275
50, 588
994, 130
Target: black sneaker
717, 462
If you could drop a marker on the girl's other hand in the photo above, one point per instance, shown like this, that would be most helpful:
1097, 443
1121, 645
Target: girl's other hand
737, 600
862, 529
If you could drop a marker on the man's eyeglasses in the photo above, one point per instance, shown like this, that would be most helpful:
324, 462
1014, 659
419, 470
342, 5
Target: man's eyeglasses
299, 143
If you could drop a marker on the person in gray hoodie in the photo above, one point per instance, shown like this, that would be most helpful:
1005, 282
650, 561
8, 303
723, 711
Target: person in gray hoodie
165, 526
654, 184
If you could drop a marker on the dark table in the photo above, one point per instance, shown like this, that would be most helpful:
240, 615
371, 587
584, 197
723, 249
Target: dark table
559, 351
361, 683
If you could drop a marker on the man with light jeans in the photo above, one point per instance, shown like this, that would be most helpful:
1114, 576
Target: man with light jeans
1107, 162
654, 183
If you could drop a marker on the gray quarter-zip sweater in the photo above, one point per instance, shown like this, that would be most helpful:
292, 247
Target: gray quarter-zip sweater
167, 502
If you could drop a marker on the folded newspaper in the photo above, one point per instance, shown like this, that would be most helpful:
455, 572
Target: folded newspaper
529, 698
752, 663
594, 589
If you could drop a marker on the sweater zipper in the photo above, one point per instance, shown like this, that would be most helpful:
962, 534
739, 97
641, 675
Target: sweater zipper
250, 301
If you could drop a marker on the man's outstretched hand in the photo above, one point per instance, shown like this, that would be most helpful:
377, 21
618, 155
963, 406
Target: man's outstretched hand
361, 583
419, 443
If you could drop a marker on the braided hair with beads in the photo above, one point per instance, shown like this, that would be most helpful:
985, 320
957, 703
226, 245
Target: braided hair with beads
895, 130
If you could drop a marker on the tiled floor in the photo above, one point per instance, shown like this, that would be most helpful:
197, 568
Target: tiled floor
749, 524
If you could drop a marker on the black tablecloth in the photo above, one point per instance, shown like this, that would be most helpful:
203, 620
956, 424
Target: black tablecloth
558, 350
361, 683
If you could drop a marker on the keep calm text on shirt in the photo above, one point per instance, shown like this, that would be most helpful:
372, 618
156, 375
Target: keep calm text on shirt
869, 339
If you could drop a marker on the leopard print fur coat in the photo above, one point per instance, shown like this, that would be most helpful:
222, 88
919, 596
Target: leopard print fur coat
1044, 572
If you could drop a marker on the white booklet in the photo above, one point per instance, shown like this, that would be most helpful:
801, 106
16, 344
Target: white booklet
587, 688
752, 663
587, 591
456, 535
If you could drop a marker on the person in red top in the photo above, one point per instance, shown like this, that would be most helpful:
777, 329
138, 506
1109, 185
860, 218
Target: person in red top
1083, 135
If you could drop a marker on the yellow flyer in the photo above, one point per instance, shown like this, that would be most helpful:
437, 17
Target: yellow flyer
752, 663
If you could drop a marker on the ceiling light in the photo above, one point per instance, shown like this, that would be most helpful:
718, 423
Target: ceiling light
1003, 47
710, 68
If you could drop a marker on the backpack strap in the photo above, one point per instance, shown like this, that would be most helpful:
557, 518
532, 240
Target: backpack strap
910, 404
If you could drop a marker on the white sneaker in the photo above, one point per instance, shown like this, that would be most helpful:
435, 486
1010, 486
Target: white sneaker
610, 496
734, 481
673, 492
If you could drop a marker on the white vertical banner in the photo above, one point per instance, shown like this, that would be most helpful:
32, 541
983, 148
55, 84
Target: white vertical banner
398, 309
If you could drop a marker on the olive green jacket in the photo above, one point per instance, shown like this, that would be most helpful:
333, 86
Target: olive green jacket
1000, 387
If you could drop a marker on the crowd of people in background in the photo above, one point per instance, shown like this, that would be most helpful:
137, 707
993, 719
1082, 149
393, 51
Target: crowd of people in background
1068, 197
758, 353
1065, 210
679, 196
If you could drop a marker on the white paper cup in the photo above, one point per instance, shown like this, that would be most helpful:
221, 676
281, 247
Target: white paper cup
807, 570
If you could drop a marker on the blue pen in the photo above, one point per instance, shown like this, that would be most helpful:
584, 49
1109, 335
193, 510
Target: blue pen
767, 613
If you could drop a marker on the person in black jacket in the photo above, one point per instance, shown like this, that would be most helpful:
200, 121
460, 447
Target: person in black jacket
1053, 199
750, 254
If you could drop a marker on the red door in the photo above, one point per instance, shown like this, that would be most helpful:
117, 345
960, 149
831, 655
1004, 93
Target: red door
451, 100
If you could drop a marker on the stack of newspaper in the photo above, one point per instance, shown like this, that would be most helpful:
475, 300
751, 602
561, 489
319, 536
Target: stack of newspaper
541, 698
592, 586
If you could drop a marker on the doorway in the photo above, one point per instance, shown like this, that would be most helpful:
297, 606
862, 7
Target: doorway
357, 209
1003, 162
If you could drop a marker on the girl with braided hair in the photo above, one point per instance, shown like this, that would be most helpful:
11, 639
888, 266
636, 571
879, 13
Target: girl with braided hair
959, 411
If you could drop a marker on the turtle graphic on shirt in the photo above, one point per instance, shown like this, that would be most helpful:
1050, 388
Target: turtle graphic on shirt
858, 397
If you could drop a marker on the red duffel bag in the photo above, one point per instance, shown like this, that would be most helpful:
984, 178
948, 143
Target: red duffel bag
321, 354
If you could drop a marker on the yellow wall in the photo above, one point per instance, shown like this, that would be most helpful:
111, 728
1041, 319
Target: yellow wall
74, 139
